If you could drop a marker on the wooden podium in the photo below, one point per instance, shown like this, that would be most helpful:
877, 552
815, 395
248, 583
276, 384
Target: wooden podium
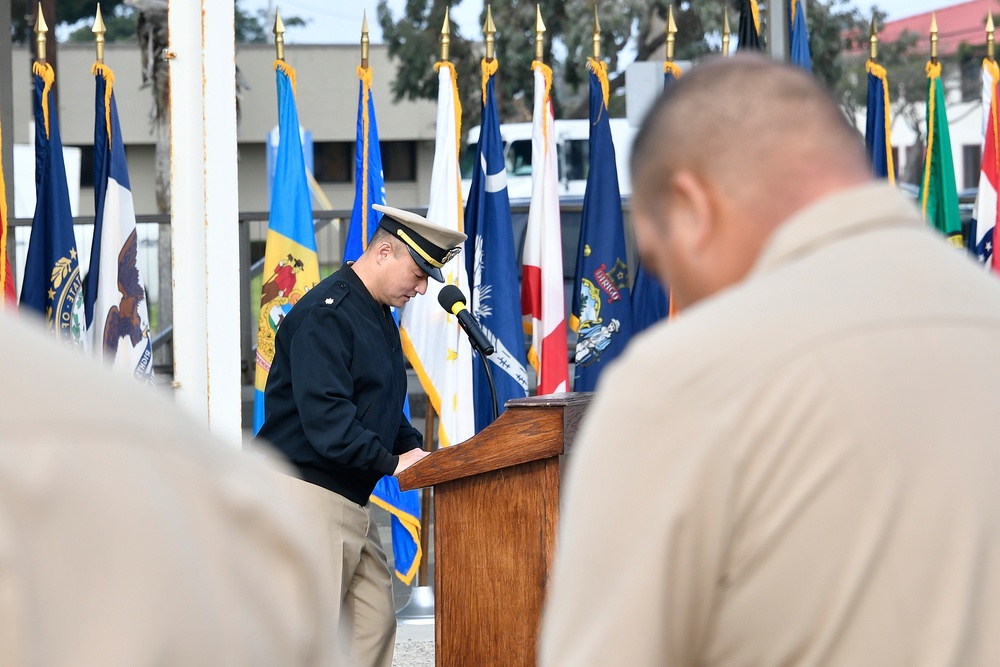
496, 507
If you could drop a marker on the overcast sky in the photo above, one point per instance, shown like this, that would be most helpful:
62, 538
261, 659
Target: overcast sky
340, 22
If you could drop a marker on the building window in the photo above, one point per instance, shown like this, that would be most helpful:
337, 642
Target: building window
333, 161
399, 160
972, 160
86, 166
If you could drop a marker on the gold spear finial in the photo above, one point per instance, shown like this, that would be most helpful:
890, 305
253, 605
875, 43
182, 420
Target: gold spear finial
279, 35
597, 34
725, 31
539, 33
671, 32
364, 40
990, 40
489, 30
873, 42
40, 30
934, 38
99, 31
445, 36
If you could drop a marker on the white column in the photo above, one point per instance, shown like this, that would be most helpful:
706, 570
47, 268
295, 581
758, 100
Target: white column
777, 29
204, 213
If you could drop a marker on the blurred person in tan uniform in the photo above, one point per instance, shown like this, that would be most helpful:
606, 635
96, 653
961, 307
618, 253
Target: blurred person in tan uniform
129, 536
802, 468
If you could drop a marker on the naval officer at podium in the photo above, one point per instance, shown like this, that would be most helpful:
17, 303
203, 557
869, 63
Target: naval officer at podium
334, 406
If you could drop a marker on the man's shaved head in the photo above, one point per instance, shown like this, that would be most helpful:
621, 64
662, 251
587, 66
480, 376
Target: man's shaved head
746, 142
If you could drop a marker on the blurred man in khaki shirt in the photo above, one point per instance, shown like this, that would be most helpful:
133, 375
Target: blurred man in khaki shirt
804, 467
130, 537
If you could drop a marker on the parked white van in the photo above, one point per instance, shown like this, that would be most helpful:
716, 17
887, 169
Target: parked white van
572, 147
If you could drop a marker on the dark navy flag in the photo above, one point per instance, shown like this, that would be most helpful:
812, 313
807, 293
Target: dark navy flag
370, 189
52, 285
877, 133
650, 302
492, 264
114, 296
602, 303
749, 31
800, 54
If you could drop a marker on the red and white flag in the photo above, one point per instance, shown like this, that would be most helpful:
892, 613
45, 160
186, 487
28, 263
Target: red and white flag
542, 295
984, 218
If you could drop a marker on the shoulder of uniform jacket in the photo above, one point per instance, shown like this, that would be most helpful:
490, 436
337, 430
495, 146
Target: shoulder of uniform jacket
336, 294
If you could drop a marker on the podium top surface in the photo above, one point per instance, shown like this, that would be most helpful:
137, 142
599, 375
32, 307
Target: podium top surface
530, 429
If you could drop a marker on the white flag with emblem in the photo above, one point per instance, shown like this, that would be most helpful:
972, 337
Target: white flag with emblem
435, 345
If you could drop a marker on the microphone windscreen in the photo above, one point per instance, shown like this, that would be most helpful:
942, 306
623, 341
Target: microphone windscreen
449, 296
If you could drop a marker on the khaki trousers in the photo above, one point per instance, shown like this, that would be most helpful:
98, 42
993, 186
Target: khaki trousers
367, 619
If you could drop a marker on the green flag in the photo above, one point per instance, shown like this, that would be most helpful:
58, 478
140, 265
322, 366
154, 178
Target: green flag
938, 193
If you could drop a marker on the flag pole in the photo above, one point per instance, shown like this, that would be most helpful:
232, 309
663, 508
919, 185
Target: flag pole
671, 30
539, 34
40, 30
725, 32
279, 35
990, 39
873, 43
445, 37
597, 35
99, 29
489, 30
934, 38
364, 40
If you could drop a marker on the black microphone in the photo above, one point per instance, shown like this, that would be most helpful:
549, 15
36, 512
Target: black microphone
452, 300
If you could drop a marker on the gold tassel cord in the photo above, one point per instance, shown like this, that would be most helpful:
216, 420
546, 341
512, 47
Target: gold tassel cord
289, 71
879, 72
600, 70
109, 78
490, 68
933, 72
547, 73
49, 77
365, 75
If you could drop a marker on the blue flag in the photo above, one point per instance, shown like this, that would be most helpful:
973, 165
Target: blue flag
602, 303
291, 266
369, 182
115, 299
52, 284
650, 302
491, 261
370, 189
800, 54
877, 134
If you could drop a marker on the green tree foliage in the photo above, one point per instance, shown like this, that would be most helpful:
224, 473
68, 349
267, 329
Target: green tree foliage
121, 21
414, 43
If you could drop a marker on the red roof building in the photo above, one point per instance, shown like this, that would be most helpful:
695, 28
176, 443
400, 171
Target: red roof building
961, 22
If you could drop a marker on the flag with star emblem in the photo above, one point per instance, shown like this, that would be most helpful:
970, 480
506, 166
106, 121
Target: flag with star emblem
984, 216
114, 296
543, 303
291, 266
602, 302
370, 189
491, 261
52, 286
938, 194
433, 341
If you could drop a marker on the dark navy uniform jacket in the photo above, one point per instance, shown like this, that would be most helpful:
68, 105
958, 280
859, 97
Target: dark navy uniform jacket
333, 402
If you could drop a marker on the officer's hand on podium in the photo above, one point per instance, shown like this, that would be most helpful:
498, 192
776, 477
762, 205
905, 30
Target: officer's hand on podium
409, 458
